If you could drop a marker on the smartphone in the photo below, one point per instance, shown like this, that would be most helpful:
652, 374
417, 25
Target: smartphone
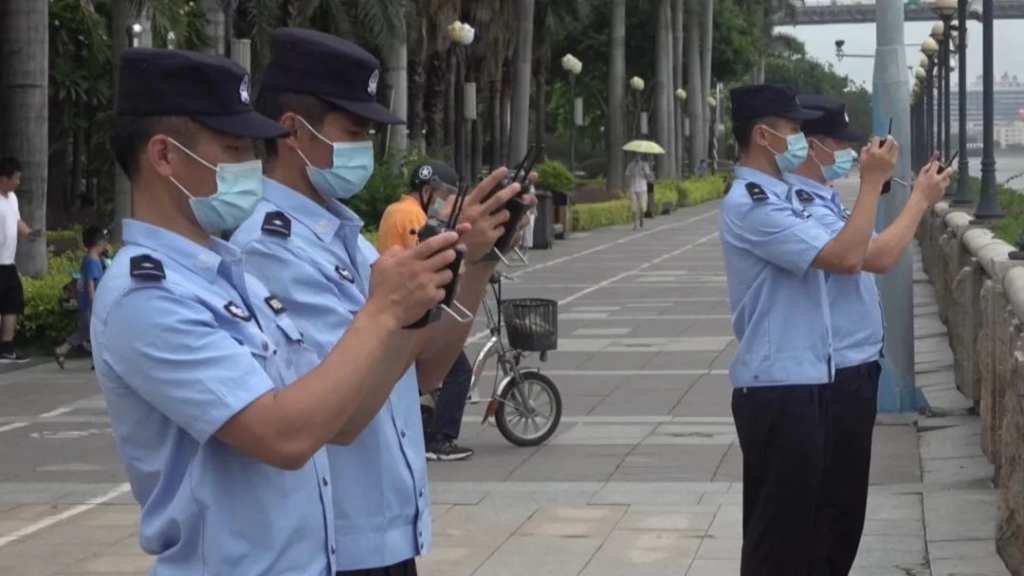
945, 165
887, 187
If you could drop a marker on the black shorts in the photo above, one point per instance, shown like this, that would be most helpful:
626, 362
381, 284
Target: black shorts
12, 295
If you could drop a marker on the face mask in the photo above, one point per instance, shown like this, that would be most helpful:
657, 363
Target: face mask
795, 154
350, 169
239, 190
841, 165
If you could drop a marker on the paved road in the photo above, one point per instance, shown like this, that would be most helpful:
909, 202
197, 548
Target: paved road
642, 478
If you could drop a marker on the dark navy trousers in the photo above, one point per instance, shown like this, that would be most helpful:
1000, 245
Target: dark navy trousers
855, 406
806, 461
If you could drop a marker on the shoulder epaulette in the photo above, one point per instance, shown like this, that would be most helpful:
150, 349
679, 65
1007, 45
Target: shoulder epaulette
277, 223
757, 193
804, 196
146, 267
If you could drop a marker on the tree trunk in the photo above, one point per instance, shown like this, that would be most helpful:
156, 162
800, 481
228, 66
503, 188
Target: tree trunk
451, 84
616, 94
679, 81
24, 113
694, 106
214, 27
663, 91
705, 71
496, 123
540, 103
506, 114
521, 87
476, 165
396, 59
78, 159
434, 103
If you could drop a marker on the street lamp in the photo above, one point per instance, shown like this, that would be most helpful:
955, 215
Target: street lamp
637, 84
963, 191
462, 35
938, 34
988, 204
573, 67
929, 47
945, 9
921, 134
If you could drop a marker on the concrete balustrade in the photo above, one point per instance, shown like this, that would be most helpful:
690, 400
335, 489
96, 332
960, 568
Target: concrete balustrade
980, 291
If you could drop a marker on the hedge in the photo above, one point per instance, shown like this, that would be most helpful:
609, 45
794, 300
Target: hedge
679, 193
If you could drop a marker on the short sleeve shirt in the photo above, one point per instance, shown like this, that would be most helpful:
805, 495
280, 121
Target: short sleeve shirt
400, 224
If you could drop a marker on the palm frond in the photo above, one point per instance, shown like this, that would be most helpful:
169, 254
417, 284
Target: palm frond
166, 14
380, 19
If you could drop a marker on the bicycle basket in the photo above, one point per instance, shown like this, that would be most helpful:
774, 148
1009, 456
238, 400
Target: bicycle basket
531, 324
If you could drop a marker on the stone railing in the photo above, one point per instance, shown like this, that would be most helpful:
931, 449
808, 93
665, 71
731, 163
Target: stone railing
980, 291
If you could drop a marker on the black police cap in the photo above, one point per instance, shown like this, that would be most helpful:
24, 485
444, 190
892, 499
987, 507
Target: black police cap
764, 100
335, 70
433, 173
211, 90
834, 121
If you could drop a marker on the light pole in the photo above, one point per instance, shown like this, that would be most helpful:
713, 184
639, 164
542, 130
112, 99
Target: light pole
963, 191
938, 35
637, 84
946, 9
713, 137
929, 47
920, 132
573, 67
988, 204
461, 35
685, 126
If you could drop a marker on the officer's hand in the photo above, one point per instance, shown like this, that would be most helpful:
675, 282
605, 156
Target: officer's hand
406, 283
931, 186
487, 218
877, 163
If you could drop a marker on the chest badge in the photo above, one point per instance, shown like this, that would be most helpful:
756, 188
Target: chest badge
275, 305
344, 274
237, 311
804, 196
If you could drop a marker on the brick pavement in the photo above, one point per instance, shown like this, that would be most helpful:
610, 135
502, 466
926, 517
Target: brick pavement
642, 478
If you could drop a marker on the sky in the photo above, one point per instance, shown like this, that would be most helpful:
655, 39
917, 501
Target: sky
860, 39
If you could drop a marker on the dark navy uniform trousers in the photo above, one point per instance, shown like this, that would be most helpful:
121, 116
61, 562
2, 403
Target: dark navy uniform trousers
405, 568
806, 459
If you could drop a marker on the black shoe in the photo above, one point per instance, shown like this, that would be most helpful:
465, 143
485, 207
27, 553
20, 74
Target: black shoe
446, 450
13, 356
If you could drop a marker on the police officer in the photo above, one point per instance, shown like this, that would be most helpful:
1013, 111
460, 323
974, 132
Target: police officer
322, 90
857, 325
199, 363
776, 257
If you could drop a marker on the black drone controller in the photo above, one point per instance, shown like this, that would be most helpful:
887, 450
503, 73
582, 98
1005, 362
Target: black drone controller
516, 207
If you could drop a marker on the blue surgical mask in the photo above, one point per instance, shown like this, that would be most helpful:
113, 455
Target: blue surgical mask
841, 166
239, 190
795, 154
350, 169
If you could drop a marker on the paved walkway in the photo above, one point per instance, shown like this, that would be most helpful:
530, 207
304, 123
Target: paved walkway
643, 477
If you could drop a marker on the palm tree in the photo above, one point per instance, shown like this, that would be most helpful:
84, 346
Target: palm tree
24, 113
523, 73
705, 71
616, 93
694, 105
552, 20
663, 91
678, 81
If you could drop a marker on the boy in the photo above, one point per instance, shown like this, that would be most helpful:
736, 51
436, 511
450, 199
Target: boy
90, 272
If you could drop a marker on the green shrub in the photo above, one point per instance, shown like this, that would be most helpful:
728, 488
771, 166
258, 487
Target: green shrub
601, 214
44, 321
554, 177
688, 192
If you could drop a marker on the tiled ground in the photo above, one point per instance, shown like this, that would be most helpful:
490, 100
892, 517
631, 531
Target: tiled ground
642, 478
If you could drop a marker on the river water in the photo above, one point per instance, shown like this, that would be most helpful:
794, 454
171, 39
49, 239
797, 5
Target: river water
1009, 165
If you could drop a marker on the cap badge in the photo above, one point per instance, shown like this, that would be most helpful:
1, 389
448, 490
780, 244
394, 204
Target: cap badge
372, 88
425, 172
243, 90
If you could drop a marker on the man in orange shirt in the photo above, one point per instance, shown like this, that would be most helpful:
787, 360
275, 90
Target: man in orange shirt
432, 182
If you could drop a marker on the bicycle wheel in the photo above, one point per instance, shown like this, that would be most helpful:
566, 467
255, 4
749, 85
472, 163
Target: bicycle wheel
529, 409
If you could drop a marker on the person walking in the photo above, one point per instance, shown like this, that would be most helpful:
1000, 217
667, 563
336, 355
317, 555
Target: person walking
12, 227
776, 257
638, 174
89, 274
220, 410
858, 328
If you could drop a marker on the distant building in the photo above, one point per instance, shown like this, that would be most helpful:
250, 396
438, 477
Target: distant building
1008, 108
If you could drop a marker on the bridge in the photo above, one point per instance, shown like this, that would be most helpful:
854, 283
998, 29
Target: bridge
856, 12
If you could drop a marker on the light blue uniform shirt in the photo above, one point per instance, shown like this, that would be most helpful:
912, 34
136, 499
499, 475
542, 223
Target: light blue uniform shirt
779, 305
857, 326
176, 358
320, 269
